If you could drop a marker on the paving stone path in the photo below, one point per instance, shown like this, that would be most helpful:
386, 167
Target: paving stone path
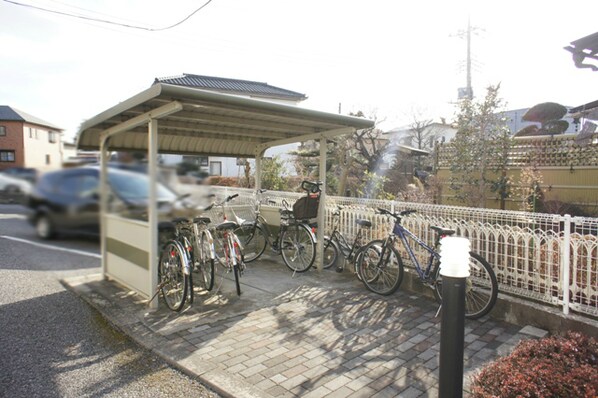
314, 335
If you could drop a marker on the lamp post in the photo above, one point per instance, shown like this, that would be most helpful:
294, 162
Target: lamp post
454, 268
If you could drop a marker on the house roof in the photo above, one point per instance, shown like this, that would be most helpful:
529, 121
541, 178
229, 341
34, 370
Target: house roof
8, 113
199, 122
232, 86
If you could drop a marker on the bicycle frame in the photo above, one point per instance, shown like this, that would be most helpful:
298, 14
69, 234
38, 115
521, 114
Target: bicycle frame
198, 231
403, 234
346, 250
271, 239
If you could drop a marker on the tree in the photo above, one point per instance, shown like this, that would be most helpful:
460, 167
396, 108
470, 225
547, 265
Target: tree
549, 115
421, 134
361, 154
273, 174
481, 150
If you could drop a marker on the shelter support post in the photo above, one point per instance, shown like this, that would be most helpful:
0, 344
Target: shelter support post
152, 155
259, 154
104, 193
321, 207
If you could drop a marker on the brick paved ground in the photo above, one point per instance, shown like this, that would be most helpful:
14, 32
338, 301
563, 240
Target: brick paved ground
310, 336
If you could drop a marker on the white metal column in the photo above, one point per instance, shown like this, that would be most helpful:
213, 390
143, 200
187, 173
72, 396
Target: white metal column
152, 207
104, 193
321, 207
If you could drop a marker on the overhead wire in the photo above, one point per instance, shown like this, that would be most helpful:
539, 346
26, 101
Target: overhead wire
108, 21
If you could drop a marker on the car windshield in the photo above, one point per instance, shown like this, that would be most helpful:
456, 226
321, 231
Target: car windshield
135, 186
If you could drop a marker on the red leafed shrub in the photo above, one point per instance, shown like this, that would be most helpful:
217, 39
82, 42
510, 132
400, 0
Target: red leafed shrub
563, 367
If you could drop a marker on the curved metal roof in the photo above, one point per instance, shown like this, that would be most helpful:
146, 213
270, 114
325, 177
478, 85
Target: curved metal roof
209, 123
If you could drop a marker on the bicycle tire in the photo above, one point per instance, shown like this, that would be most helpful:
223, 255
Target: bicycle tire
190, 289
359, 254
206, 261
297, 247
331, 253
237, 276
381, 268
173, 280
254, 241
481, 288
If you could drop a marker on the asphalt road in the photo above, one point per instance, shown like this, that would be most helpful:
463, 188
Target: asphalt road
54, 345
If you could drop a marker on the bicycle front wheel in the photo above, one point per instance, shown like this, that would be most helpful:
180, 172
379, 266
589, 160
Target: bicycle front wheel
253, 239
380, 268
481, 287
297, 247
173, 280
239, 264
206, 260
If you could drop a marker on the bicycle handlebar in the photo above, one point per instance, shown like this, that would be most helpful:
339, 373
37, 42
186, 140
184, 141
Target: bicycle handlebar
397, 216
227, 199
311, 186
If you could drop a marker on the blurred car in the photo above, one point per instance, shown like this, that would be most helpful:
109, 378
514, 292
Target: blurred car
23, 173
68, 201
14, 185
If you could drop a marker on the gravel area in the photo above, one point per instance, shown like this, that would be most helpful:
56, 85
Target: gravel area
54, 345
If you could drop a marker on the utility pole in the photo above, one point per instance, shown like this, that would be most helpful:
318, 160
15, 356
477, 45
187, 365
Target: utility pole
467, 91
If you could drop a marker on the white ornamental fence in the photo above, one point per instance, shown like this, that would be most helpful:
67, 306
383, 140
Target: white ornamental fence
547, 258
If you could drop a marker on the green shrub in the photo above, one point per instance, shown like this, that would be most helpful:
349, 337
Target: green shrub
563, 367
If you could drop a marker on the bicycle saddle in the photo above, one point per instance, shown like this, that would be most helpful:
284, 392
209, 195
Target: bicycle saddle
226, 225
204, 220
179, 220
443, 231
364, 223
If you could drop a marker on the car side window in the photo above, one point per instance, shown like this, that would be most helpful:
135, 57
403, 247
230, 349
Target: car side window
79, 186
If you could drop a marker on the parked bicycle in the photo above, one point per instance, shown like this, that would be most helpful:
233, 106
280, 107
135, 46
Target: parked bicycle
188, 250
337, 250
381, 267
229, 251
295, 240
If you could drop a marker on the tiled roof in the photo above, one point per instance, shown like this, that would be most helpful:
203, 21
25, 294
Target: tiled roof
232, 86
8, 113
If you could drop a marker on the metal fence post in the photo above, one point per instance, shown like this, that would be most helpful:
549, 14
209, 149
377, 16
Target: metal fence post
566, 262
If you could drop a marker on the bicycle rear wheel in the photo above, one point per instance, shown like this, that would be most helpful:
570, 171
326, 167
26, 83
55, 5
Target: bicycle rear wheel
297, 247
331, 256
253, 239
173, 281
380, 268
206, 262
481, 287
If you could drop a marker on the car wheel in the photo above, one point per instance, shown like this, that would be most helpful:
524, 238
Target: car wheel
44, 227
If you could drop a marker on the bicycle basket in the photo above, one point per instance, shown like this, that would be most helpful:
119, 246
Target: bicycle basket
306, 207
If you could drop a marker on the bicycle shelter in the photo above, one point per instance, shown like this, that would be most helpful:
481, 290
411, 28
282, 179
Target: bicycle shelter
188, 121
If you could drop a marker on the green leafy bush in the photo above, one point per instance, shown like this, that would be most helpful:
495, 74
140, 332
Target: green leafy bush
563, 367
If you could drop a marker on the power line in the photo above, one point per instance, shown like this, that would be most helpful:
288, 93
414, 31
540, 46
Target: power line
107, 21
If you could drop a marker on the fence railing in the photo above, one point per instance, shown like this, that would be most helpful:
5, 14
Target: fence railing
548, 258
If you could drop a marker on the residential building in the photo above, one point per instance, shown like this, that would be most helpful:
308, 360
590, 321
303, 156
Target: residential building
432, 133
28, 141
231, 167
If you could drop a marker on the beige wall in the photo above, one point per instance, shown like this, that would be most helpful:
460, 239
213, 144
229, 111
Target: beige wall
40, 153
577, 185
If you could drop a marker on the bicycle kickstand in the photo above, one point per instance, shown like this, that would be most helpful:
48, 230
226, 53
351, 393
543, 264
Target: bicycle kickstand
160, 286
438, 312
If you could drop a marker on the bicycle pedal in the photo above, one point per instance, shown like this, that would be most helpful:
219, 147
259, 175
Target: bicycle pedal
339, 269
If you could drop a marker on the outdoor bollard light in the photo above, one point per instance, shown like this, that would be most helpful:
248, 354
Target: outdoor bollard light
454, 268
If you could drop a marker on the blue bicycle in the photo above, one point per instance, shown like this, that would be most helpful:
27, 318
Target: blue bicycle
381, 269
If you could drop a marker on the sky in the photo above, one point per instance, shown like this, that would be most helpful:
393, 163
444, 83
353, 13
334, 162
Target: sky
389, 59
